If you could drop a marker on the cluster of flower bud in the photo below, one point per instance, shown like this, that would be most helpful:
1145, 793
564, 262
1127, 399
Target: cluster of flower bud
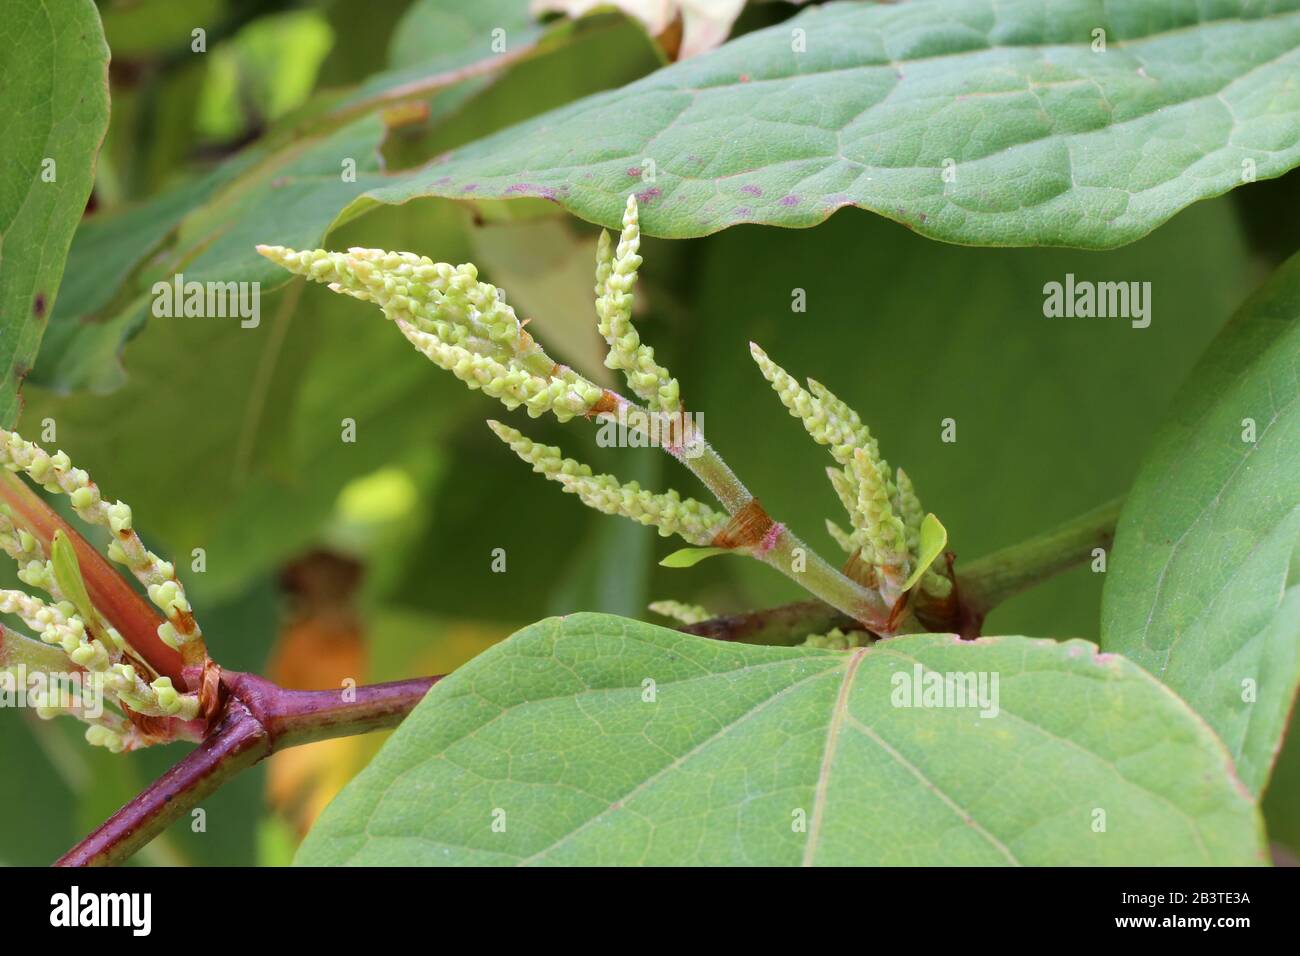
70, 622
465, 326
459, 323
55, 474
882, 504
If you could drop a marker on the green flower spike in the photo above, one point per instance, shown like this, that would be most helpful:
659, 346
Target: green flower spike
882, 529
59, 626
56, 624
616, 273
669, 512
459, 323
682, 613
826, 419
852, 432
885, 512
908, 506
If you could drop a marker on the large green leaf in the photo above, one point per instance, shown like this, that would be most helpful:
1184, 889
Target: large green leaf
971, 121
54, 64
601, 740
1204, 589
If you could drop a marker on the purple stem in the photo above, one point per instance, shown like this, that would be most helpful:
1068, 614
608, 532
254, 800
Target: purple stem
260, 718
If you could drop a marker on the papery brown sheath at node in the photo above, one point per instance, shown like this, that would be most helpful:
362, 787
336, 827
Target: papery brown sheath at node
210, 690
746, 529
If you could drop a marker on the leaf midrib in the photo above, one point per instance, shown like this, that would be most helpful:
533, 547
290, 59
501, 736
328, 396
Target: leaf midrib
677, 762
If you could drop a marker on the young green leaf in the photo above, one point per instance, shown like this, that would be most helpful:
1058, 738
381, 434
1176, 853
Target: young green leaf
1204, 584
689, 557
934, 538
67, 574
593, 739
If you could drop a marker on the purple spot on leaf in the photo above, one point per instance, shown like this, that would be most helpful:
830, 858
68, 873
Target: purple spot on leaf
751, 190
531, 189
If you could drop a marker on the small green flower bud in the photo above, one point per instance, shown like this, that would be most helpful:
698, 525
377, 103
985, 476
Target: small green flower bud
119, 517
37, 574
98, 736
91, 655
39, 469
170, 636
172, 703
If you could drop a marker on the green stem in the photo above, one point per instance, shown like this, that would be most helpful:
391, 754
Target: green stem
990, 580
784, 551
986, 581
818, 577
